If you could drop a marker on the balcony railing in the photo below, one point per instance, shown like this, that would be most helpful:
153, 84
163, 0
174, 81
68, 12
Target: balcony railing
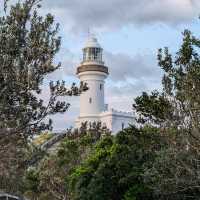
99, 68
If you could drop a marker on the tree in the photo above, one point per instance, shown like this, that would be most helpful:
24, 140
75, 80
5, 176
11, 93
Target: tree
114, 169
28, 44
179, 101
174, 174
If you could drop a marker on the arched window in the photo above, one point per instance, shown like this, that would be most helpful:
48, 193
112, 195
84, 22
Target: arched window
90, 100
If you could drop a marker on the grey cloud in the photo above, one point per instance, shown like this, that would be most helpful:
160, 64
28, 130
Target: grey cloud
123, 67
115, 14
102, 14
126, 90
68, 68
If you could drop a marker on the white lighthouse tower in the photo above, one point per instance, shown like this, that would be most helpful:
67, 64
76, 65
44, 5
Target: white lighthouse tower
93, 72
92, 104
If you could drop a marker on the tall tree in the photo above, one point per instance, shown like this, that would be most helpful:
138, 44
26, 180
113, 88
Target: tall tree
28, 45
179, 102
176, 110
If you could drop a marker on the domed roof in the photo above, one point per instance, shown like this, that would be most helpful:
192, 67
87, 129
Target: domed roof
92, 42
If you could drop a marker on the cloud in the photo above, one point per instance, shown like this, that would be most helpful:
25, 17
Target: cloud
139, 66
81, 14
100, 15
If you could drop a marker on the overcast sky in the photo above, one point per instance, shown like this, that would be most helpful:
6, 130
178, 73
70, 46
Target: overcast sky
130, 32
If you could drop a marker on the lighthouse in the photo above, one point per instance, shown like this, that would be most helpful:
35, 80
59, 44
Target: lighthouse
93, 71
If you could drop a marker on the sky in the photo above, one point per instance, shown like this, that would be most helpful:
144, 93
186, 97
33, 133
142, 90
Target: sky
130, 32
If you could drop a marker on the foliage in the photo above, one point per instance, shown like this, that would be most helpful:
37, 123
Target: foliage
114, 170
28, 44
54, 170
174, 173
153, 108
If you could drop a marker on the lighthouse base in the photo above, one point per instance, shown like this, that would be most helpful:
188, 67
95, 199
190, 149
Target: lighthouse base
114, 120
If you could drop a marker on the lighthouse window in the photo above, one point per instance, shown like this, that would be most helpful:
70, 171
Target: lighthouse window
101, 86
84, 55
90, 100
123, 125
91, 53
98, 54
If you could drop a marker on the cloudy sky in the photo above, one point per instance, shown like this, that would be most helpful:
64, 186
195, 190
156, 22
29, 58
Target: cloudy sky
130, 32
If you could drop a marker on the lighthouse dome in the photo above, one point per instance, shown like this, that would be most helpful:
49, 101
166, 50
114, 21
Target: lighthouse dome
92, 43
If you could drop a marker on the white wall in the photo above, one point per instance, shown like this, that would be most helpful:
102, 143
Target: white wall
96, 106
118, 121
114, 120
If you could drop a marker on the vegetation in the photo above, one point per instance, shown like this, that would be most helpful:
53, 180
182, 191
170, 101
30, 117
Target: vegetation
158, 159
49, 179
177, 166
116, 166
28, 44
174, 174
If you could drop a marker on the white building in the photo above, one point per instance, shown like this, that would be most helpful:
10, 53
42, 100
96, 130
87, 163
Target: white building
92, 106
